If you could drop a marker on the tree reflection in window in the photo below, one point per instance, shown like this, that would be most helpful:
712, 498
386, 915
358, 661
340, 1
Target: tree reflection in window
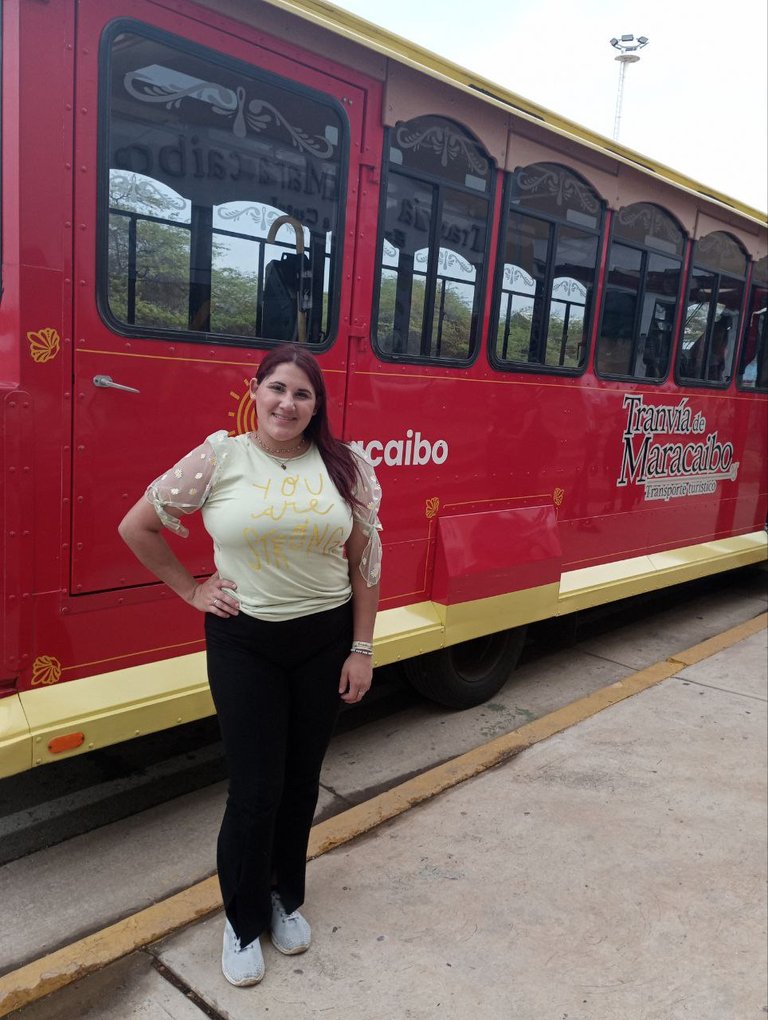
436, 212
546, 269
224, 196
713, 313
753, 366
641, 293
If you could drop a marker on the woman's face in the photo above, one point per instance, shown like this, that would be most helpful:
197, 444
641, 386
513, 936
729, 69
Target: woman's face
285, 402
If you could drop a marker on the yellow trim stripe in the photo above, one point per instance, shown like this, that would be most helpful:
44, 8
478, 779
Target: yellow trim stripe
53, 972
124, 703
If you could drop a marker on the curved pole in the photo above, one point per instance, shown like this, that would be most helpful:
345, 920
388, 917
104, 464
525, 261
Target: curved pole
291, 221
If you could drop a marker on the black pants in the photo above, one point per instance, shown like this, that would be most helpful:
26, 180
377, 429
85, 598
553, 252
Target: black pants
275, 687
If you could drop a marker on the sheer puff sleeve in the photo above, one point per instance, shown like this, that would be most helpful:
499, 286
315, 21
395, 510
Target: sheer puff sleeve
366, 515
187, 485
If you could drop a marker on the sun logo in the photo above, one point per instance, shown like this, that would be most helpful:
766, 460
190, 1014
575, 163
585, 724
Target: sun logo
245, 412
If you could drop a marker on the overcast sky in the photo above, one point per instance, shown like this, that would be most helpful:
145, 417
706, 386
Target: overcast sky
696, 101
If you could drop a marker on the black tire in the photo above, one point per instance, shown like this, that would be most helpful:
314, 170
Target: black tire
469, 673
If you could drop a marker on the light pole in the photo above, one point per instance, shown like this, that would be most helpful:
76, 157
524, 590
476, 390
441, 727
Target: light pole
627, 46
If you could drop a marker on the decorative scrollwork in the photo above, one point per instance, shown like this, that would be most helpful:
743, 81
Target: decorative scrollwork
558, 496
262, 215
514, 274
44, 345
447, 259
256, 114
444, 141
721, 250
557, 183
565, 286
653, 221
134, 189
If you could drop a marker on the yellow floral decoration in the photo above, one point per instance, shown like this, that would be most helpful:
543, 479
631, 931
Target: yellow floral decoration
557, 496
46, 669
433, 505
44, 345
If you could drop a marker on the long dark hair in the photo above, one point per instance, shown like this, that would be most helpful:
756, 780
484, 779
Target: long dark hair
336, 455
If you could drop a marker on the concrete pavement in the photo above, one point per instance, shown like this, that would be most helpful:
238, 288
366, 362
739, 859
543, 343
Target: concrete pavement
615, 869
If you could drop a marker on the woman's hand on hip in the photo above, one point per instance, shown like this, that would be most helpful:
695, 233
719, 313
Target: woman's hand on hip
215, 596
356, 676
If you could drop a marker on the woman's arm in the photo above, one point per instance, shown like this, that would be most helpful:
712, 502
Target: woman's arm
141, 530
357, 671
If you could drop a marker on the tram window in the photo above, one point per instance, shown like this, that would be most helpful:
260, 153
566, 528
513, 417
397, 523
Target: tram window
224, 196
713, 312
434, 239
641, 294
546, 270
753, 365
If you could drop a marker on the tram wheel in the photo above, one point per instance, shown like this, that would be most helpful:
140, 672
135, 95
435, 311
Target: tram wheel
469, 673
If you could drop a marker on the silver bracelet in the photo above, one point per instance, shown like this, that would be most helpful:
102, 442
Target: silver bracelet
361, 648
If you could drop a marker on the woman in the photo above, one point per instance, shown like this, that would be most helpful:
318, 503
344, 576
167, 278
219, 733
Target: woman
289, 618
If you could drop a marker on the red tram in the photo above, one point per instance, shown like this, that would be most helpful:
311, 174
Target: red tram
554, 349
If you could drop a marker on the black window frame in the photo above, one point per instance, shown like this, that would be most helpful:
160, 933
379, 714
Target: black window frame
684, 382
752, 284
682, 289
554, 224
103, 212
482, 282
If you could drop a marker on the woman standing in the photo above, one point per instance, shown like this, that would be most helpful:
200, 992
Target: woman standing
289, 615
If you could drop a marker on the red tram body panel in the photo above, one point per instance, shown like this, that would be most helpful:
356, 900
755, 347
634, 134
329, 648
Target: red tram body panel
553, 350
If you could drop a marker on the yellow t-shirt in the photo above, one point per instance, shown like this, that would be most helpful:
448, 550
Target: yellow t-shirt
278, 533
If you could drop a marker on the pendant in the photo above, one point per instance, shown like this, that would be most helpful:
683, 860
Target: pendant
283, 466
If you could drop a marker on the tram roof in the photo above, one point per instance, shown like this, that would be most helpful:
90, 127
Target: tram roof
395, 47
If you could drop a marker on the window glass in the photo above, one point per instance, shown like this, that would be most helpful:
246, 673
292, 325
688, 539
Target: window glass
712, 319
224, 197
641, 294
554, 191
435, 147
546, 270
648, 226
753, 366
432, 261
405, 262
524, 274
572, 286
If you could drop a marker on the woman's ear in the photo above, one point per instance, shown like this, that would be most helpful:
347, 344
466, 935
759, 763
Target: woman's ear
252, 387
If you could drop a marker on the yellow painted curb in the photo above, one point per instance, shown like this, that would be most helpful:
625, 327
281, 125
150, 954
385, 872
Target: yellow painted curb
70, 963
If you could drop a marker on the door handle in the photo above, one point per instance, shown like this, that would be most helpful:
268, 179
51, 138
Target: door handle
105, 381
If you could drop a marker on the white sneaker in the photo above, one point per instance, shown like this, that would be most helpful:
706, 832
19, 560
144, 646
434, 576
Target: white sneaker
291, 933
241, 966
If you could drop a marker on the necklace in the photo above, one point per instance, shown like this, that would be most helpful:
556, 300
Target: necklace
281, 459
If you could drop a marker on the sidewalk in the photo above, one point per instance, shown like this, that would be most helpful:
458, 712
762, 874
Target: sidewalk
614, 871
